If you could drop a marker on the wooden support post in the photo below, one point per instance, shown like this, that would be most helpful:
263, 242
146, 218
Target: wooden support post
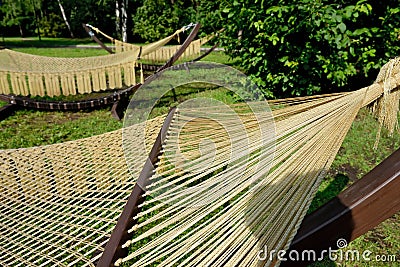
358, 209
113, 250
120, 106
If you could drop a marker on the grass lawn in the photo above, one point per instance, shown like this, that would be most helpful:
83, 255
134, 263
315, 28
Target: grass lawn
62, 52
355, 158
45, 41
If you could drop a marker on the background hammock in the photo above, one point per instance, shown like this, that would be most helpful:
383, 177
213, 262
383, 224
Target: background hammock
60, 203
42, 79
26, 74
157, 52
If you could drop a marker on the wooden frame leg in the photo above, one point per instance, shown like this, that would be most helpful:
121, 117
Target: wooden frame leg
358, 209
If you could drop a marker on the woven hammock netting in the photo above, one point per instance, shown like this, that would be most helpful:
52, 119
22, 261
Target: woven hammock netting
208, 203
59, 203
26, 74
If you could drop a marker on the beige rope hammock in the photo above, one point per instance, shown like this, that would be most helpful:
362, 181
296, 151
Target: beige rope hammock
157, 52
26, 74
59, 203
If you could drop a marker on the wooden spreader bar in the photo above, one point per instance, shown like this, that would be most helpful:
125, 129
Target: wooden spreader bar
113, 249
358, 209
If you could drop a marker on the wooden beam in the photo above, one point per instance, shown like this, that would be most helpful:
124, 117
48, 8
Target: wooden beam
7, 110
358, 209
206, 53
97, 40
182, 48
113, 249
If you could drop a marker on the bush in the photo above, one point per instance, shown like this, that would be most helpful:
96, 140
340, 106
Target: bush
312, 46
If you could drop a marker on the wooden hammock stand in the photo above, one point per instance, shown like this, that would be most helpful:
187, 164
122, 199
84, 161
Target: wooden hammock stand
119, 99
352, 213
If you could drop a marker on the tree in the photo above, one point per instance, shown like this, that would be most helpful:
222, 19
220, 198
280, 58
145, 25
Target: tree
208, 14
16, 13
99, 13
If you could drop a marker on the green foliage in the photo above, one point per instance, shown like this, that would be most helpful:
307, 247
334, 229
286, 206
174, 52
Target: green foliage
148, 20
156, 19
52, 26
303, 48
28, 15
99, 13
208, 14
16, 13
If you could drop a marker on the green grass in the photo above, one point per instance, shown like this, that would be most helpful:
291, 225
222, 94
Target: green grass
34, 42
2, 104
62, 52
220, 57
54, 47
28, 128
356, 157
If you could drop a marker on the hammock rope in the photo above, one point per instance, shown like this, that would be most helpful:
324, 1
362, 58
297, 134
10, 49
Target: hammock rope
218, 195
231, 210
220, 205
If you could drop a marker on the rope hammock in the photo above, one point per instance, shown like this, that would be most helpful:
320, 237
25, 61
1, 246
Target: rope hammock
60, 202
26, 74
214, 206
20, 81
157, 52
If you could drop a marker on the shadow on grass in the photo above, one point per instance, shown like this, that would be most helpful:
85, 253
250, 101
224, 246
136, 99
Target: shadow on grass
332, 190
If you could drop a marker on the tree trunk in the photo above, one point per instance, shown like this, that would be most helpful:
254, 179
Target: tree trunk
36, 21
124, 20
65, 19
21, 32
117, 17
